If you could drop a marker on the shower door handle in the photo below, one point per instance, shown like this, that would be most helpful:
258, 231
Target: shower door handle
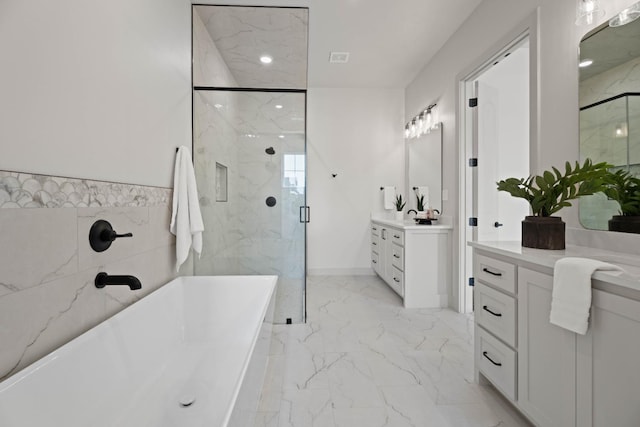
307, 214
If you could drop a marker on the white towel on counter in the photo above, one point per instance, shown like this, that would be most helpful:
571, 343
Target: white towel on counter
571, 295
389, 197
186, 219
423, 191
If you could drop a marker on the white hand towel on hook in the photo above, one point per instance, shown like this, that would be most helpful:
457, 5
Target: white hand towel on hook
571, 294
186, 219
389, 197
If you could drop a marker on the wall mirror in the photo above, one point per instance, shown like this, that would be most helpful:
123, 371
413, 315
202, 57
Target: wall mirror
425, 168
609, 109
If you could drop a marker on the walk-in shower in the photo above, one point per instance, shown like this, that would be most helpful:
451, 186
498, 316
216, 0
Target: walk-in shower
249, 144
609, 133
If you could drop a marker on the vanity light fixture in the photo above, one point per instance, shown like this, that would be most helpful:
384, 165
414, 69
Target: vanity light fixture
588, 11
266, 59
422, 124
628, 15
585, 63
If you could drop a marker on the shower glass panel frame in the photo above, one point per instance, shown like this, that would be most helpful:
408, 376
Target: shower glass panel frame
609, 132
245, 131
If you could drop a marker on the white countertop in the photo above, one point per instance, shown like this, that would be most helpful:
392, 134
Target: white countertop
629, 279
411, 225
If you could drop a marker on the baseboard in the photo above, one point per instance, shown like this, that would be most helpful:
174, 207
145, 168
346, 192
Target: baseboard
340, 272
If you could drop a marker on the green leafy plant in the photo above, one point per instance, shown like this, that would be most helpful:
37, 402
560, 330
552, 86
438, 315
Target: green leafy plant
624, 188
551, 191
400, 203
420, 202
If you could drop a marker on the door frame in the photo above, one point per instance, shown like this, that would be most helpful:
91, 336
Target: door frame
465, 133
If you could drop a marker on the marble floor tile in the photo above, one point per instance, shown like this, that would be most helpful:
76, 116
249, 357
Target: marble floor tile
267, 419
363, 360
309, 408
352, 383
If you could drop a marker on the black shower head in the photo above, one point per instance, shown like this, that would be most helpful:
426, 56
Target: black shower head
270, 151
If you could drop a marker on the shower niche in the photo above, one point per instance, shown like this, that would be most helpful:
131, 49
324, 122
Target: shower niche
249, 130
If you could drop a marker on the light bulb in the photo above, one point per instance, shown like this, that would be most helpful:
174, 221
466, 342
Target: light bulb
407, 131
628, 15
421, 125
429, 119
266, 59
588, 11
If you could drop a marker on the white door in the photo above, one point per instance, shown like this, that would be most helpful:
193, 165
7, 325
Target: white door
499, 129
502, 145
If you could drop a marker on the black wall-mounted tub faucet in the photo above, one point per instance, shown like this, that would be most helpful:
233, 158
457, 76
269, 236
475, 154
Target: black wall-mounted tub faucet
103, 279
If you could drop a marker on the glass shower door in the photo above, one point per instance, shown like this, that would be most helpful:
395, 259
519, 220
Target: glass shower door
250, 164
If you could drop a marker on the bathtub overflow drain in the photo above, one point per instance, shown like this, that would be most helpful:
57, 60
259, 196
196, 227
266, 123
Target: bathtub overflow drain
186, 400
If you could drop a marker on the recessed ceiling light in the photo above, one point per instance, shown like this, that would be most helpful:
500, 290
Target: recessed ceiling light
279, 107
266, 59
281, 136
585, 63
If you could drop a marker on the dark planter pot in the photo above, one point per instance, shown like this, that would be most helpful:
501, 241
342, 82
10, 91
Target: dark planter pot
543, 232
625, 223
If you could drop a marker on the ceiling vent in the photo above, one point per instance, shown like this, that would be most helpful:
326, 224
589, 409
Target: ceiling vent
339, 57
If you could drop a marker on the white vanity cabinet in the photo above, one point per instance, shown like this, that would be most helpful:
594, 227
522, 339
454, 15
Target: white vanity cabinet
547, 365
554, 376
608, 378
413, 260
495, 317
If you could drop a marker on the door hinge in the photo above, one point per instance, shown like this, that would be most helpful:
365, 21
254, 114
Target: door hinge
473, 221
472, 281
473, 102
473, 162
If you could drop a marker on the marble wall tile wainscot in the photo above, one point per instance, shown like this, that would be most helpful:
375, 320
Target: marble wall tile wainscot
47, 268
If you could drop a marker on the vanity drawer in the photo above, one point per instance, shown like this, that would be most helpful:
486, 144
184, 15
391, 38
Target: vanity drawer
397, 256
397, 236
375, 229
397, 281
375, 243
497, 362
496, 312
495, 272
375, 261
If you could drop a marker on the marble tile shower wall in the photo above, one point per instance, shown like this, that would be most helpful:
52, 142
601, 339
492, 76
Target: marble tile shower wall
47, 268
216, 141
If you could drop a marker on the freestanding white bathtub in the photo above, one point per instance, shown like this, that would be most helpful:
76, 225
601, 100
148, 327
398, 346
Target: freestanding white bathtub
192, 353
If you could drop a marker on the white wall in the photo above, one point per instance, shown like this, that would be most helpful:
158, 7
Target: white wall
358, 135
95, 90
558, 80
